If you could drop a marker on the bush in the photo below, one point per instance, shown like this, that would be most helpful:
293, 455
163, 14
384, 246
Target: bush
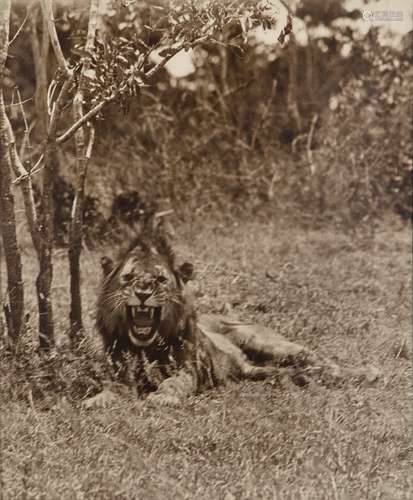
42, 378
362, 167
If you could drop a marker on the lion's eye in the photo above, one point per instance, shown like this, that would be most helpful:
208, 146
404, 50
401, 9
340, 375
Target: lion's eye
162, 279
127, 277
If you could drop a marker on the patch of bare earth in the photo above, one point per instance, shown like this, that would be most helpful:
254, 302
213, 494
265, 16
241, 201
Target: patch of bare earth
348, 297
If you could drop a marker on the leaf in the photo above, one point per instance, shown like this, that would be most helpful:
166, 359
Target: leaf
90, 73
167, 52
121, 59
81, 52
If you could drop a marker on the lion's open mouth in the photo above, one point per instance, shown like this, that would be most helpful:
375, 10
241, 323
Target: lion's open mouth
143, 324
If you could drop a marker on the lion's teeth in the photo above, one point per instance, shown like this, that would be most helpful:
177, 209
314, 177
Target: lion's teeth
144, 337
151, 312
143, 330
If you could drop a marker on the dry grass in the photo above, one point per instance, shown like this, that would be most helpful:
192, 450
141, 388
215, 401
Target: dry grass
348, 297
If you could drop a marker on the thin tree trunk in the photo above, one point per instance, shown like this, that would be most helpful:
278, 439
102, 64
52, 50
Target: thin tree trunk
45, 251
45, 276
2, 325
46, 229
40, 49
15, 291
40, 222
14, 307
292, 97
82, 154
309, 69
46, 222
75, 246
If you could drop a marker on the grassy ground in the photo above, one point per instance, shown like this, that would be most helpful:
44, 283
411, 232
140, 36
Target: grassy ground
349, 297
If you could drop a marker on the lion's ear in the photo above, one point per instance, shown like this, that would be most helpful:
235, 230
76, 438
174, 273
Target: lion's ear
186, 272
164, 238
162, 228
107, 265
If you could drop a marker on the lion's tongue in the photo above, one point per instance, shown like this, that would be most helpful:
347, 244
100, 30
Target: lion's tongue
142, 331
142, 319
143, 325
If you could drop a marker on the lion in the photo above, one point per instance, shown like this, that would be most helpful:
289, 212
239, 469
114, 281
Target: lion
149, 326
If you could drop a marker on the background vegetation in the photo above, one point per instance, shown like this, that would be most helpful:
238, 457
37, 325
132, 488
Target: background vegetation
235, 134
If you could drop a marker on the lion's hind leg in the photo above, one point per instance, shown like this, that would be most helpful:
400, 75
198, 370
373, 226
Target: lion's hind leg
260, 344
231, 363
264, 345
104, 399
252, 372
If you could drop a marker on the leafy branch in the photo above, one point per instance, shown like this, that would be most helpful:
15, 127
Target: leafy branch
119, 67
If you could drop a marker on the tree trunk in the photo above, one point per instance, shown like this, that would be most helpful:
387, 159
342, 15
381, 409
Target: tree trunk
43, 286
292, 97
46, 219
2, 325
45, 251
15, 307
76, 237
82, 154
76, 227
40, 49
309, 70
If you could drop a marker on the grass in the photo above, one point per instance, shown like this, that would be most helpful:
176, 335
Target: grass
349, 297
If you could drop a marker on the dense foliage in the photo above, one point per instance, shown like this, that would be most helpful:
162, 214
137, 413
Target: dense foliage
234, 133
362, 162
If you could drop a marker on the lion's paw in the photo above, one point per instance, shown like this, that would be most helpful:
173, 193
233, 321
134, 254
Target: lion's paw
102, 400
162, 400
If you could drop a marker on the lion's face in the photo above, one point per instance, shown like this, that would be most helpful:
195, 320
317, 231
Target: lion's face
145, 287
141, 294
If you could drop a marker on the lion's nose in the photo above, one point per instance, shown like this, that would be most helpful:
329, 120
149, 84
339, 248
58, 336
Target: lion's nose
143, 295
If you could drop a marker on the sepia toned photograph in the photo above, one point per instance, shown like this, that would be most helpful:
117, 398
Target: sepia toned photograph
206, 249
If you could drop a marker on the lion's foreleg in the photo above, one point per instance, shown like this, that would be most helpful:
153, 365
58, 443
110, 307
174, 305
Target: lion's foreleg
174, 389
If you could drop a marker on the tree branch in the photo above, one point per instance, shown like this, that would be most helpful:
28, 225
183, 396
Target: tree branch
89, 115
310, 144
26, 185
57, 49
174, 51
83, 154
34, 170
4, 34
20, 28
96, 109
90, 144
202, 38
90, 40
57, 105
